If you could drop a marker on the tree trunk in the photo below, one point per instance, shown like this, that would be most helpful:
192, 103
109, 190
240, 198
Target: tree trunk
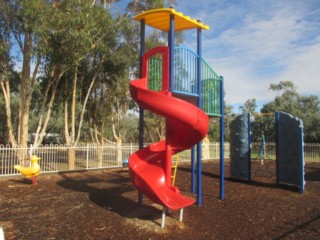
42, 126
25, 98
6, 93
73, 106
101, 141
86, 99
118, 145
66, 123
119, 151
100, 155
70, 135
24, 104
71, 138
71, 158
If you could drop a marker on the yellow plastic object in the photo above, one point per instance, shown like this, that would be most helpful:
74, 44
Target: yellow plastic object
160, 19
175, 167
31, 171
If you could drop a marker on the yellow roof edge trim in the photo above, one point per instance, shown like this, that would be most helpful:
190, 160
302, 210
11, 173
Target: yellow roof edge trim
160, 19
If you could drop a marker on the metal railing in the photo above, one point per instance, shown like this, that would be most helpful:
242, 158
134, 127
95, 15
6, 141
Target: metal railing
56, 158
186, 80
185, 83
312, 152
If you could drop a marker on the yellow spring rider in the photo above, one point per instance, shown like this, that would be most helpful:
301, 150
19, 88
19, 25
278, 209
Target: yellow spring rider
32, 171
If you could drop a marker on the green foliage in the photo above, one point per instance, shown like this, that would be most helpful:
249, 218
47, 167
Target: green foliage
250, 106
67, 36
307, 108
144, 5
130, 128
214, 125
78, 29
262, 125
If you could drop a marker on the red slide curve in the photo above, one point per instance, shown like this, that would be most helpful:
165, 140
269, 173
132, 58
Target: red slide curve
186, 125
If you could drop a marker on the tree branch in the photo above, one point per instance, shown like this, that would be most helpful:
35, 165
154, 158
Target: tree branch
87, 97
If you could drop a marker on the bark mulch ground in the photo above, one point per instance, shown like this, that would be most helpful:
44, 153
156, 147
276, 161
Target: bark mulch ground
102, 204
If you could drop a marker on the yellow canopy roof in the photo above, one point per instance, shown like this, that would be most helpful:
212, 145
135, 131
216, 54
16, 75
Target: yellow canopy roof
160, 19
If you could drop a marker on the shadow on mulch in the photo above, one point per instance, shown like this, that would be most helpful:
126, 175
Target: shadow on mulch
119, 199
297, 228
25, 181
211, 175
266, 184
253, 182
313, 174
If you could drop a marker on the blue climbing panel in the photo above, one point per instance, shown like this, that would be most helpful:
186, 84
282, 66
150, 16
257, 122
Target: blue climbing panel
240, 148
290, 155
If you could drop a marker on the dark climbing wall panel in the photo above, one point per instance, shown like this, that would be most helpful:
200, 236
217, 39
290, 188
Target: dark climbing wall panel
240, 148
290, 160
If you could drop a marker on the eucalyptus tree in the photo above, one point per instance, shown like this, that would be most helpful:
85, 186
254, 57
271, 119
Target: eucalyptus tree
250, 106
307, 108
67, 35
91, 39
27, 40
110, 100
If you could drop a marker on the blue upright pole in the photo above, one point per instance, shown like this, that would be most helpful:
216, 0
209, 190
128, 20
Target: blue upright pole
171, 53
193, 170
141, 111
199, 146
276, 116
222, 139
249, 146
301, 162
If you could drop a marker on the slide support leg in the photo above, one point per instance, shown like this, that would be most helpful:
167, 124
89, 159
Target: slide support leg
181, 215
163, 219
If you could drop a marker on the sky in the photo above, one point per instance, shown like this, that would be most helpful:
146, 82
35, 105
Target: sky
256, 43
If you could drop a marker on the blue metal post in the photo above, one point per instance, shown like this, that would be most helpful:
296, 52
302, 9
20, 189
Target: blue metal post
199, 146
171, 53
199, 174
141, 110
277, 145
222, 139
193, 170
301, 162
249, 146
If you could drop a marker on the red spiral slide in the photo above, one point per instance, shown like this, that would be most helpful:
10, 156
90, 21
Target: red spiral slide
186, 125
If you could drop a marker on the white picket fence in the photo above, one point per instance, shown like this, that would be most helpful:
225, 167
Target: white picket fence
54, 158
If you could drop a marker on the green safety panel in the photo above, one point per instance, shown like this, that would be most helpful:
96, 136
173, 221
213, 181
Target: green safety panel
155, 73
185, 80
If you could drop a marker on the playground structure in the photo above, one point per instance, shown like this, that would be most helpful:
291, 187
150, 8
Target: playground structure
179, 85
289, 162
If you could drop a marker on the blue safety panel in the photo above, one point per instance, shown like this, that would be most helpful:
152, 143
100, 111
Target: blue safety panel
239, 148
290, 155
